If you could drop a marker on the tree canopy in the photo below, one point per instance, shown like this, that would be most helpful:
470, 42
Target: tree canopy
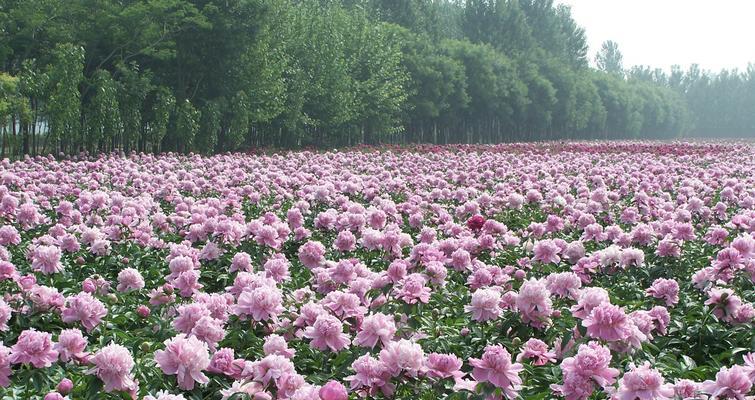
220, 75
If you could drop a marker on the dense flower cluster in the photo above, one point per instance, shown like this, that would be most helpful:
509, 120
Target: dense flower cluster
614, 271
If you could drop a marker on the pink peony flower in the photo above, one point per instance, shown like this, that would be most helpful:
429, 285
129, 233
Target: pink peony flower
263, 303
484, 305
534, 303
129, 279
224, 362
163, 395
686, 389
312, 254
496, 367
327, 333
71, 345
85, 308
592, 361
186, 358
730, 383
546, 251
113, 365
209, 330
241, 262
564, 284
5, 369
666, 289
413, 290
277, 268
607, 322
643, 383
272, 368
376, 327
5, 314
333, 390
35, 348
536, 350
276, 344
581, 372
188, 315
444, 366
372, 375
46, 259
403, 356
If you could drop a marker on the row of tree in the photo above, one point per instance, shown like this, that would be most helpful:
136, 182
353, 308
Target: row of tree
216, 75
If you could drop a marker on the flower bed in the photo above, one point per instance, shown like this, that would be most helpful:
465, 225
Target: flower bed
579, 270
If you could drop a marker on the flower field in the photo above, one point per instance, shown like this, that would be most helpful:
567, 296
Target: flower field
576, 270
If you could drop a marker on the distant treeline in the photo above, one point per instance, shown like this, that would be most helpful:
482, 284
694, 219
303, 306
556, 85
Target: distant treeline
217, 75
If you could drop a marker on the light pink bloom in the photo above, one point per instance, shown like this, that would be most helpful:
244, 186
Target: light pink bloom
276, 344
607, 322
186, 358
333, 390
587, 368
403, 356
730, 383
327, 333
666, 289
413, 290
537, 350
496, 367
263, 303
113, 365
241, 262
272, 368
5, 369
484, 305
444, 366
376, 327
277, 268
71, 345
643, 383
129, 279
224, 362
370, 374
85, 308
312, 254
188, 315
546, 251
534, 303
686, 389
163, 395
46, 259
35, 348
564, 284
5, 314
209, 330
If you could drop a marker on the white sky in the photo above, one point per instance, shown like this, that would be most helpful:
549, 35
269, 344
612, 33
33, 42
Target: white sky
713, 33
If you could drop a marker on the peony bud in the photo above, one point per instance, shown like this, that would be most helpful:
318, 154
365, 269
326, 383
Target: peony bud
143, 311
65, 386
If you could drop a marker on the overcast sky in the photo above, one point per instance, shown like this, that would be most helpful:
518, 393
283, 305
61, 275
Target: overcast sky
713, 33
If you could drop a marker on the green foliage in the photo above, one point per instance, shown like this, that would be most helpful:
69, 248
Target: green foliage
64, 106
104, 121
340, 72
239, 125
209, 126
609, 58
187, 124
133, 90
163, 106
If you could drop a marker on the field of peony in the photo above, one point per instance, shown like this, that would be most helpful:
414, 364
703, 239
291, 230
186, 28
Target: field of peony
565, 270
